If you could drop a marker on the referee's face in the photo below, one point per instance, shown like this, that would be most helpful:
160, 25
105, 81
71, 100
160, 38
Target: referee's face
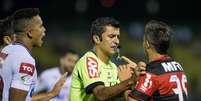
110, 40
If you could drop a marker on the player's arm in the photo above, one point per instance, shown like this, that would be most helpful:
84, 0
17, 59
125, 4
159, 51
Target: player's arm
103, 93
23, 70
20, 95
54, 92
43, 96
144, 89
127, 97
131, 99
125, 75
17, 95
95, 85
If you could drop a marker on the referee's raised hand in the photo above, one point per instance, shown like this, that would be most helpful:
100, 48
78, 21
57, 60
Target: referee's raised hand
138, 69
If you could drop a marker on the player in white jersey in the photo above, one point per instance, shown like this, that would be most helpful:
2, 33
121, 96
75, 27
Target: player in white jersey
67, 61
6, 32
18, 69
18, 74
6, 37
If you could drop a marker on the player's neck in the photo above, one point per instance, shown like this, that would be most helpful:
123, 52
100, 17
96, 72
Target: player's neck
26, 43
153, 56
102, 56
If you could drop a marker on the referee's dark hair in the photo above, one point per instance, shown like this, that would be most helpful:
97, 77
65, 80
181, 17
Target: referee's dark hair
98, 26
158, 34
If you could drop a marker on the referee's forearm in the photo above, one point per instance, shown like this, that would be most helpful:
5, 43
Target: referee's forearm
106, 93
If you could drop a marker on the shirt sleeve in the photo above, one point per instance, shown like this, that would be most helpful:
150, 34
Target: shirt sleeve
89, 72
23, 70
145, 87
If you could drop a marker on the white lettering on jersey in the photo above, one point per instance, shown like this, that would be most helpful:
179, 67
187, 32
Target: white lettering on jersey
92, 66
180, 86
147, 83
171, 66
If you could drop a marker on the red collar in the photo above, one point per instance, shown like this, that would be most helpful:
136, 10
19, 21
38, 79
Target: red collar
161, 58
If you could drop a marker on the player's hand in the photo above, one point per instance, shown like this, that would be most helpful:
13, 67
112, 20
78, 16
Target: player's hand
124, 72
55, 91
131, 63
138, 69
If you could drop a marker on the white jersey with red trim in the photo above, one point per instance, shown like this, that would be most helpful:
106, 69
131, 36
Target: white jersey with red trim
17, 70
47, 81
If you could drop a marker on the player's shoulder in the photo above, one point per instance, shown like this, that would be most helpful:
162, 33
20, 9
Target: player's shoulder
17, 50
86, 57
163, 67
90, 54
7, 48
12, 47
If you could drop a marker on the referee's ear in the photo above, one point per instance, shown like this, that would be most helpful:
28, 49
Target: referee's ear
96, 39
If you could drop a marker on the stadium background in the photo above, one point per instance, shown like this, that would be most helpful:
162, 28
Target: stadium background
68, 26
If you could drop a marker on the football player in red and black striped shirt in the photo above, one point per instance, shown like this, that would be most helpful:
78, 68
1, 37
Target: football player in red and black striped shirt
165, 79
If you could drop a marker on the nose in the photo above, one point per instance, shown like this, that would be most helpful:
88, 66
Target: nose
116, 40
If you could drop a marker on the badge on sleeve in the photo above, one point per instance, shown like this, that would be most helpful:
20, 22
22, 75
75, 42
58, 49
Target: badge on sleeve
27, 68
92, 66
27, 79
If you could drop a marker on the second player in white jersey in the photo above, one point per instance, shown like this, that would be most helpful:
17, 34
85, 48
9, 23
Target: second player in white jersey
17, 70
47, 81
49, 77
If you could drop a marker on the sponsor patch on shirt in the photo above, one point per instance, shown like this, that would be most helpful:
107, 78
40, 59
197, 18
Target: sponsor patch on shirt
27, 68
92, 66
27, 79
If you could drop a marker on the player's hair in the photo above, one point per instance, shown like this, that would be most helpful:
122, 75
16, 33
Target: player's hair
98, 26
158, 34
22, 17
5, 28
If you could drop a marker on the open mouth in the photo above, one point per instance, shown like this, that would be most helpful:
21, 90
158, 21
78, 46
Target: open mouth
42, 38
115, 48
